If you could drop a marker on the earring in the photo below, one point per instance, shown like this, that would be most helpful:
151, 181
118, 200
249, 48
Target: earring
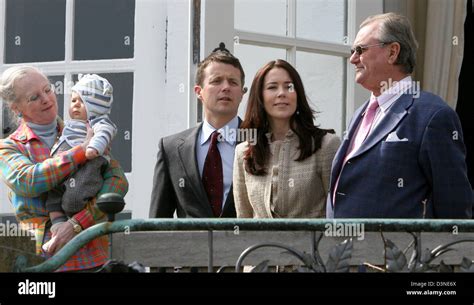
297, 112
20, 115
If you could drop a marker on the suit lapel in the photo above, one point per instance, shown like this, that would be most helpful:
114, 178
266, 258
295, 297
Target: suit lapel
190, 166
186, 149
346, 140
229, 206
389, 122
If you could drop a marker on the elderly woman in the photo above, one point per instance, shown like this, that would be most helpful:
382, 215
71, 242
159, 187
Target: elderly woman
286, 173
28, 170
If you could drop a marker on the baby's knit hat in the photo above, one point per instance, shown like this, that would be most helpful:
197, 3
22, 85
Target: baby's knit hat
97, 94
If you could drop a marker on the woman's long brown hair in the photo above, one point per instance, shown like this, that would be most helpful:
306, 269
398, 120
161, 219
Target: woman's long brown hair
301, 123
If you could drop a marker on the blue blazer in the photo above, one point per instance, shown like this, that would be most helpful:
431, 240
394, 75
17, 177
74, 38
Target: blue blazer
412, 165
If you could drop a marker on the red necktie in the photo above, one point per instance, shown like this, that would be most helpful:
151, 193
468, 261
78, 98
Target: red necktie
212, 176
361, 135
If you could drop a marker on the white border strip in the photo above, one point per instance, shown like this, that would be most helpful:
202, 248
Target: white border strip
266, 40
3, 22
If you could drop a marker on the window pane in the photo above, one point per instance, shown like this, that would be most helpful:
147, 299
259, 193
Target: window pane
321, 20
7, 126
323, 78
35, 30
58, 82
121, 115
249, 14
253, 58
104, 29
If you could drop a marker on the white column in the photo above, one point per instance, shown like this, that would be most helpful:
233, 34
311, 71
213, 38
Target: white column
149, 111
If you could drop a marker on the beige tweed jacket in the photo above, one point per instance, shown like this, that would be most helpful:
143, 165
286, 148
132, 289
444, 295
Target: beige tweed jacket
290, 189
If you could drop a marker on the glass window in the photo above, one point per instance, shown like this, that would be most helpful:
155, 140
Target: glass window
322, 20
323, 78
262, 16
104, 29
121, 114
58, 82
34, 30
7, 126
253, 58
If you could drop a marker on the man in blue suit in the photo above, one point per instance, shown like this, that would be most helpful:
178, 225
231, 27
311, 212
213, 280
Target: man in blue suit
403, 155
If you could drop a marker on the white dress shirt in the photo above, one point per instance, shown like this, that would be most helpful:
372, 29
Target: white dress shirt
388, 98
386, 101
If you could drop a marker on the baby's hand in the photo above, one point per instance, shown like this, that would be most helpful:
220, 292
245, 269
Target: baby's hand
91, 153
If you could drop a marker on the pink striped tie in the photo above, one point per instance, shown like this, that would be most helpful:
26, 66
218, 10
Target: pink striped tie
362, 133
364, 128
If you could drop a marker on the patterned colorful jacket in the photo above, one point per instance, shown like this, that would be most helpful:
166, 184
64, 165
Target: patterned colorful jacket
30, 172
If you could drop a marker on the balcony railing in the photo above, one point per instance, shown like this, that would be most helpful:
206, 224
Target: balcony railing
227, 234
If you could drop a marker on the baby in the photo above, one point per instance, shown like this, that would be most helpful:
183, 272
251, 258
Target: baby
91, 103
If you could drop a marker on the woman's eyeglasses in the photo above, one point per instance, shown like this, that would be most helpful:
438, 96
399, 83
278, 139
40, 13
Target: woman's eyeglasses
360, 49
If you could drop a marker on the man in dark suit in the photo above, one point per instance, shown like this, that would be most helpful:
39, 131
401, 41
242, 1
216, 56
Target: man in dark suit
403, 154
193, 172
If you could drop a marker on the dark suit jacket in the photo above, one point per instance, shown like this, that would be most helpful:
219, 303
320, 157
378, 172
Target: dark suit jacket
177, 184
412, 165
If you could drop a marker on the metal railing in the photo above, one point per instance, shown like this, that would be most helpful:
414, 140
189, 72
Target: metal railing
210, 225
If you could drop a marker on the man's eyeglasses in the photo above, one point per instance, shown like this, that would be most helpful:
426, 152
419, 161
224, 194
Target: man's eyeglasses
360, 49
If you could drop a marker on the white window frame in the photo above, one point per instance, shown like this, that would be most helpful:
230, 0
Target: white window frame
147, 65
357, 11
69, 66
